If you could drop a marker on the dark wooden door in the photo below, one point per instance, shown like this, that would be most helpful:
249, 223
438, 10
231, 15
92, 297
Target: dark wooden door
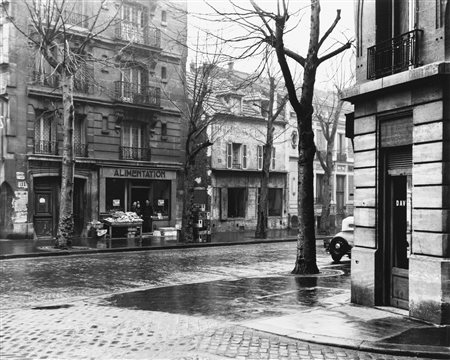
79, 205
44, 213
399, 290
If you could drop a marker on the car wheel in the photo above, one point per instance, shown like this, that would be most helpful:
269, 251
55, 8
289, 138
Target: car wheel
338, 248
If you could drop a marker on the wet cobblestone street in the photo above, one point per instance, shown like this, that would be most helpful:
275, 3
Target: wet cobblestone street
190, 305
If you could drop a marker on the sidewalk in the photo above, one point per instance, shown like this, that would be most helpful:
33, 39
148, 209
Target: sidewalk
336, 323
384, 330
20, 248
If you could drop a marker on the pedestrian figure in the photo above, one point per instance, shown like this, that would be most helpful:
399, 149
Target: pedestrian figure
148, 212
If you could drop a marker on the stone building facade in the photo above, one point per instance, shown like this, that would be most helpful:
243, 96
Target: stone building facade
126, 129
401, 133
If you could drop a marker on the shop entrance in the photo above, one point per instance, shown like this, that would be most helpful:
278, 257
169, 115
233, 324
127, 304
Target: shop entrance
397, 220
398, 241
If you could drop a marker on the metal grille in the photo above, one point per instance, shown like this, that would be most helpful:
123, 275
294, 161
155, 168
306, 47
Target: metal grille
393, 56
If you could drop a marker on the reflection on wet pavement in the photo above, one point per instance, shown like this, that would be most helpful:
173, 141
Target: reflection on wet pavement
26, 282
235, 300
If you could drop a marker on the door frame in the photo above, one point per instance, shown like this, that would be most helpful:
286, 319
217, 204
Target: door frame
384, 214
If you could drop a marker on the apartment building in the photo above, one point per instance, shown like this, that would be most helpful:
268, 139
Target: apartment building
126, 128
341, 181
401, 134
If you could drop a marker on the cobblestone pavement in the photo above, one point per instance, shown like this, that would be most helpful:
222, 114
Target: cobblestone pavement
59, 308
88, 330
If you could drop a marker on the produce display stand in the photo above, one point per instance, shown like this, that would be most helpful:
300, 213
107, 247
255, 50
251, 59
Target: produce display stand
132, 228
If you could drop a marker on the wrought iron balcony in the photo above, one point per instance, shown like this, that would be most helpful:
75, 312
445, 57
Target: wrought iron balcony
45, 79
80, 150
76, 19
46, 147
137, 94
134, 153
393, 56
145, 35
81, 83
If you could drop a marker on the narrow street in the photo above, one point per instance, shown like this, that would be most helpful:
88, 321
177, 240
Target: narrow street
170, 304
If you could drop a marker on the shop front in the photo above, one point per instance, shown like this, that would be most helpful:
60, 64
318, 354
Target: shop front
121, 189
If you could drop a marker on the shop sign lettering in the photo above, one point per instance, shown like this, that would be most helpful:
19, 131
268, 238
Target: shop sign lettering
137, 173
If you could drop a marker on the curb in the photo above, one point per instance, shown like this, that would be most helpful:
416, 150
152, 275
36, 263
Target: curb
144, 248
422, 351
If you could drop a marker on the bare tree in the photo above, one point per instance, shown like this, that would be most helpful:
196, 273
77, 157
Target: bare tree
270, 31
328, 112
51, 30
273, 111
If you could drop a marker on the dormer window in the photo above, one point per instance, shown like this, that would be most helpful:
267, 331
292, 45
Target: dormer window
233, 103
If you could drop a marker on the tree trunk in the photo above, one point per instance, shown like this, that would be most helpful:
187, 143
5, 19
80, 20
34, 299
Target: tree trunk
263, 213
187, 233
306, 239
65, 223
326, 200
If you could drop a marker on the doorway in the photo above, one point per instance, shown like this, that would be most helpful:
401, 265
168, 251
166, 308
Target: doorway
46, 207
397, 235
397, 223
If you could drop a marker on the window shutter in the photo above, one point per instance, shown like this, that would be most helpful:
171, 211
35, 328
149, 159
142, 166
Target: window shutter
273, 158
223, 203
260, 157
229, 155
244, 156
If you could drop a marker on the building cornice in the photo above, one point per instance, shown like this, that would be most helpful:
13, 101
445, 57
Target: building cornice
396, 80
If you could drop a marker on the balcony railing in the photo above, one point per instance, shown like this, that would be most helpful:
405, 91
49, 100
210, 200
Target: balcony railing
80, 83
134, 33
80, 150
134, 153
76, 19
44, 79
137, 94
393, 56
46, 147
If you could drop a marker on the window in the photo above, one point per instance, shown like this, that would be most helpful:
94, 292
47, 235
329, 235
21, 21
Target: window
237, 199
244, 156
319, 189
164, 17
236, 156
134, 82
133, 143
260, 157
163, 74
229, 155
79, 137
131, 135
273, 158
133, 23
45, 134
275, 202
163, 131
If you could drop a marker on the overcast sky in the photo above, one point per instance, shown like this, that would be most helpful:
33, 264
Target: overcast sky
296, 40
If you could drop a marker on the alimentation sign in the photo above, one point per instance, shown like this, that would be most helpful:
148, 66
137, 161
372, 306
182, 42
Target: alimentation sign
143, 173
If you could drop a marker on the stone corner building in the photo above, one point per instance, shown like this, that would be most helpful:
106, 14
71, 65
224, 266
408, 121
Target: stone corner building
126, 130
401, 132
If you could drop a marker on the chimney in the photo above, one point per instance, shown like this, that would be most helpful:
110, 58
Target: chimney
230, 65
